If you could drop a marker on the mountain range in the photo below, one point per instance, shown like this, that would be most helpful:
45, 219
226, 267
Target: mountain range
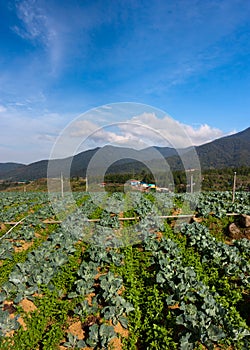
228, 151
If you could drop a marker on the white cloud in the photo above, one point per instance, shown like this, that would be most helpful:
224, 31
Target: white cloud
27, 138
203, 134
108, 107
145, 130
162, 131
38, 26
175, 133
32, 137
100, 136
34, 22
46, 137
2, 109
82, 128
110, 137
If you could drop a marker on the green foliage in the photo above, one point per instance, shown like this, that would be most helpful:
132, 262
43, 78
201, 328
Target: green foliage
6, 250
7, 324
73, 342
183, 289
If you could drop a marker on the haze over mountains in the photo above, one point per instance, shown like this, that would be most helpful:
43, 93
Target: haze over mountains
229, 151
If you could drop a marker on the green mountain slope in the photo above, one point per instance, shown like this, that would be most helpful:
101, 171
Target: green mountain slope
7, 167
229, 151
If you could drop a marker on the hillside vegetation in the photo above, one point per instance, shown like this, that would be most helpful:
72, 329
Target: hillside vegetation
212, 180
227, 152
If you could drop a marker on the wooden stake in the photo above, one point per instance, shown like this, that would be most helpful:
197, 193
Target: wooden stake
191, 184
86, 184
234, 187
62, 185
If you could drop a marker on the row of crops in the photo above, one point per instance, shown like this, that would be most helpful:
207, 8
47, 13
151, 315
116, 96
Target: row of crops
142, 283
14, 205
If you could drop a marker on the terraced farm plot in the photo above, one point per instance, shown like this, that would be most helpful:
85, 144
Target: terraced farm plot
100, 281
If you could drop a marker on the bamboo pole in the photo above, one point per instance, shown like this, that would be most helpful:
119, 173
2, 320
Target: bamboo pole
15, 224
234, 187
62, 185
47, 221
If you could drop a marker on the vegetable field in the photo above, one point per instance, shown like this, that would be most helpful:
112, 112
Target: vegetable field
124, 271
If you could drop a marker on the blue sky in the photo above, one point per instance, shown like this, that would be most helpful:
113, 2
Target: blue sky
58, 59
